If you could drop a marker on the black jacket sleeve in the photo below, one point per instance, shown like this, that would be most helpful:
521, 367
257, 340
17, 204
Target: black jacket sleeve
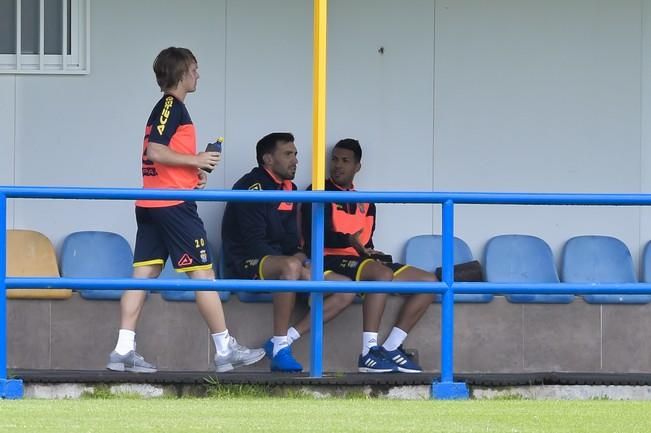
371, 213
291, 243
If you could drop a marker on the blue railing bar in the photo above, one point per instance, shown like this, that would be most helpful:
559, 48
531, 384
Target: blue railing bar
328, 196
3, 288
553, 288
447, 307
328, 286
316, 305
235, 285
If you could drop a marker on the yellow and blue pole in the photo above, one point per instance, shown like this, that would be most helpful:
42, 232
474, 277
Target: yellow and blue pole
318, 178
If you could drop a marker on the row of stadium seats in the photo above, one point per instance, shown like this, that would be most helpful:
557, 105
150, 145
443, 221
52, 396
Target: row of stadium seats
529, 259
507, 259
88, 254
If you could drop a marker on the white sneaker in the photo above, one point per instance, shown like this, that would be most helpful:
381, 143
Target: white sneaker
237, 357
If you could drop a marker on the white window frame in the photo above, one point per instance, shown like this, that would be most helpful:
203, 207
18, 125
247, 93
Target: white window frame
75, 63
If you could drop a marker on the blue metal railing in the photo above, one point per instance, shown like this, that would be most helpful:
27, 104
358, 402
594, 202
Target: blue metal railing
445, 387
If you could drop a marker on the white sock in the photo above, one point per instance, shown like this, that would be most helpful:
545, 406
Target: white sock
369, 339
292, 335
221, 340
126, 341
280, 342
395, 339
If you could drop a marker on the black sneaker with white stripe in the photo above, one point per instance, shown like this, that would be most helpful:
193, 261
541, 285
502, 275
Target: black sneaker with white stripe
376, 361
403, 361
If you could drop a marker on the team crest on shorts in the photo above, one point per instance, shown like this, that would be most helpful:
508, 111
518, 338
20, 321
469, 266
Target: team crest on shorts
251, 263
349, 263
203, 256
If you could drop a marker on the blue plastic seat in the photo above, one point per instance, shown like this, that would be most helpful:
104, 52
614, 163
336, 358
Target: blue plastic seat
425, 252
169, 273
600, 259
96, 254
646, 263
522, 259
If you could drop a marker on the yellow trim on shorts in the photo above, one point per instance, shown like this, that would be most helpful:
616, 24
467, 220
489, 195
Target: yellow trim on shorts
194, 268
260, 275
149, 263
401, 270
328, 272
358, 274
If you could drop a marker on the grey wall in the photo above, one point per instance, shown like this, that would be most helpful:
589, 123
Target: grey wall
492, 96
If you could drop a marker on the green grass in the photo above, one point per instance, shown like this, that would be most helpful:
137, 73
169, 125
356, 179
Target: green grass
246, 414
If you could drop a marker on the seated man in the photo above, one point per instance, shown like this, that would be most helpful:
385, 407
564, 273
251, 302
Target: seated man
261, 240
349, 252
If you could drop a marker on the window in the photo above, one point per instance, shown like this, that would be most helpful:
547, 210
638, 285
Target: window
45, 36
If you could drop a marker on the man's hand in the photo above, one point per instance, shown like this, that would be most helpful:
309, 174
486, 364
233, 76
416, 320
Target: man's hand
203, 178
302, 257
356, 243
208, 160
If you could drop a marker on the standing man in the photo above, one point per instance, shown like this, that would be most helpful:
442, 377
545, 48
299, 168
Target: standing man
349, 251
173, 228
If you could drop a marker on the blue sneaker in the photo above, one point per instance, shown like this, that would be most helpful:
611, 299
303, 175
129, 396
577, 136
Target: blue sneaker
284, 362
269, 348
376, 361
403, 361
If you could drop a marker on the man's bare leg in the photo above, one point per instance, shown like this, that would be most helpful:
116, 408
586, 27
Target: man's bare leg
132, 301
209, 303
416, 305
124, 356
333, 305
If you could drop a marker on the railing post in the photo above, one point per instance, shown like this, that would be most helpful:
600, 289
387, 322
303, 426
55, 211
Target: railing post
316, 304
446, 388
9, 388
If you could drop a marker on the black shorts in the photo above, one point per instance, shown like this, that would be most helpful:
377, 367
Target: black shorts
250, 269
174, 231
352, 266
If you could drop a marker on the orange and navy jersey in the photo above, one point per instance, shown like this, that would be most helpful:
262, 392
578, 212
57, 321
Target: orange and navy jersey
170, 125
341, 220
254, 230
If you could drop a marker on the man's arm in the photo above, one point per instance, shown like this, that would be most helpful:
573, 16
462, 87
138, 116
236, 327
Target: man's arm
162, 154
371, 214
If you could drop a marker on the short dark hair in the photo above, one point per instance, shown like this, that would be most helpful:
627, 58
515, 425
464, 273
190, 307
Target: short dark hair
267, 144
170, 66
352, 145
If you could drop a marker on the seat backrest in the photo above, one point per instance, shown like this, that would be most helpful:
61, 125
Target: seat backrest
597, 259
519, 258
515, 258
646, 263
31, 254
425, 252
96, 254
600, 259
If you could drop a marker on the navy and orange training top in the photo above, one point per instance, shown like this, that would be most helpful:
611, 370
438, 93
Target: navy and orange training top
254, 230
169, 124
341, 220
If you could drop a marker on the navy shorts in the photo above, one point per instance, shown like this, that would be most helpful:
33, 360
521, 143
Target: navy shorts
176, 232
250, 269
352, 266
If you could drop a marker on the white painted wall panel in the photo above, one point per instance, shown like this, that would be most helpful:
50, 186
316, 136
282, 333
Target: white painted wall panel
386, 101
539, 96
